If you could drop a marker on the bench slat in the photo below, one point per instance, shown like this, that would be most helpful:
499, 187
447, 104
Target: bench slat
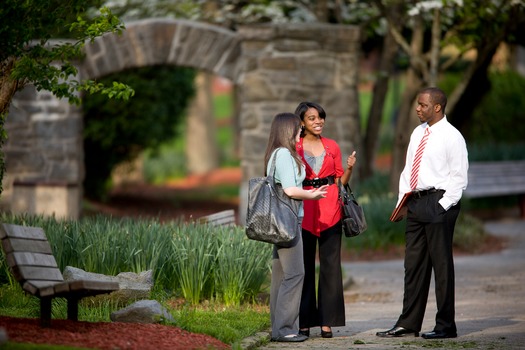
39, 288
498, 178
17, 231
89, 287
26, 245
27, 273
222, 218
34, 259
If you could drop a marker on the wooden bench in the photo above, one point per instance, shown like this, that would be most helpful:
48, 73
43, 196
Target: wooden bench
222, 218
29, 256
498, 178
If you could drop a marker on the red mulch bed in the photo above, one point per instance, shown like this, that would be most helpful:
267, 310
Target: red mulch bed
107, 335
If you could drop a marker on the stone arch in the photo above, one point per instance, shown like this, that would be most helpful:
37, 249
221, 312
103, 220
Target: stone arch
165, 42
273, 66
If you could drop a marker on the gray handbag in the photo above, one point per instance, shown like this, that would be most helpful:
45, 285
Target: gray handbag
272, 216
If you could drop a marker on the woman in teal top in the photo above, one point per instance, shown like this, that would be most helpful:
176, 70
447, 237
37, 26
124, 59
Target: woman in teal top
287, 263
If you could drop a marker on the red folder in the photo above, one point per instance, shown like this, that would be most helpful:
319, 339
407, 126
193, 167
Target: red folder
401, 210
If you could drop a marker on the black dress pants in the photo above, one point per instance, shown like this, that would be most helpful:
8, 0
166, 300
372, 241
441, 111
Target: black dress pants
429, 234
328, 308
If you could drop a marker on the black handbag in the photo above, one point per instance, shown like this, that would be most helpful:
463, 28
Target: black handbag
353, 216
272, 216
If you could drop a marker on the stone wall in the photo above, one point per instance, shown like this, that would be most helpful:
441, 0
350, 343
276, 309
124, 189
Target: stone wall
274, 67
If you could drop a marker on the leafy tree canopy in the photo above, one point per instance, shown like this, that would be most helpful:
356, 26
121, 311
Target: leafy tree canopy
29, 56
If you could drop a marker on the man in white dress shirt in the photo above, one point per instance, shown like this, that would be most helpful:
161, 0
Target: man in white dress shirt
436, 174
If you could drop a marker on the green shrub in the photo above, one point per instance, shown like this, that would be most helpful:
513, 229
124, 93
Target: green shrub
500, 116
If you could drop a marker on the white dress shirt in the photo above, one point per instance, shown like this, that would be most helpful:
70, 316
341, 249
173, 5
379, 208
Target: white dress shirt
444, 164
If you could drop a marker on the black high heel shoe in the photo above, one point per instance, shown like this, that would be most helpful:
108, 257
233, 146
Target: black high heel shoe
326, 334
305, 332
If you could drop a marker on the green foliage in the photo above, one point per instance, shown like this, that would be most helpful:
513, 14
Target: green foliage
27, 56
193, 262
500, 117
223, 323
184, 257
15, 302
469, 232
49, 65
118, 131
237, 273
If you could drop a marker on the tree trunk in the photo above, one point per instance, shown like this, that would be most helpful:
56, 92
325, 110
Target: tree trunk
201, 144
407, 119
380, 90
8, 86
435, 48
468, 98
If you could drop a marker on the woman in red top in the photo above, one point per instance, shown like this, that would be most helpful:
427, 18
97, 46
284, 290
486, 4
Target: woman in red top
321, 224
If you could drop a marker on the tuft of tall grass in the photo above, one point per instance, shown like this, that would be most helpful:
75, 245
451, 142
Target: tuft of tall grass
239, 274
193, 260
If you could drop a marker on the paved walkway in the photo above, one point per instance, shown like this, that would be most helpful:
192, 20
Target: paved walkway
490, 303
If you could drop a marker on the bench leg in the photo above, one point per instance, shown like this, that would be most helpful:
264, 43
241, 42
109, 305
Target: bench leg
72, 308
45, 312
521, 202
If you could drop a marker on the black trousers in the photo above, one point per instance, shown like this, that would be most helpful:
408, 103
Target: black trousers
328, 309
429, 234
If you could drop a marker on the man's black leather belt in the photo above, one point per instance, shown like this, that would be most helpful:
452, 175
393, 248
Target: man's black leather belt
319, 181
419, 194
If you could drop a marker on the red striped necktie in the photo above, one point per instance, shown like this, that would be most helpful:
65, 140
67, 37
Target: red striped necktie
417, 159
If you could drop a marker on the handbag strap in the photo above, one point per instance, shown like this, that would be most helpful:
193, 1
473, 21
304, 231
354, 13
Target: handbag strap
272, 167
345, 190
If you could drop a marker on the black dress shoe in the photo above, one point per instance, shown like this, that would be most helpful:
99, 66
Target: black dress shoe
397, 332
438, 335
293, 338
305, 332
326, 334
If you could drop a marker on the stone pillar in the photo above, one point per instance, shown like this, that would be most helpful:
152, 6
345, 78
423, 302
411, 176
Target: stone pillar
289, 63
61, 200
43, 155
201, 140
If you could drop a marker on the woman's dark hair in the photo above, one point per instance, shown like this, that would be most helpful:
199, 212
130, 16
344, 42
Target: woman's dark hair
304, 106
283, 130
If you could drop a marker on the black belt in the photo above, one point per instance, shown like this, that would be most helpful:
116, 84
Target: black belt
319, 181
419, 194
